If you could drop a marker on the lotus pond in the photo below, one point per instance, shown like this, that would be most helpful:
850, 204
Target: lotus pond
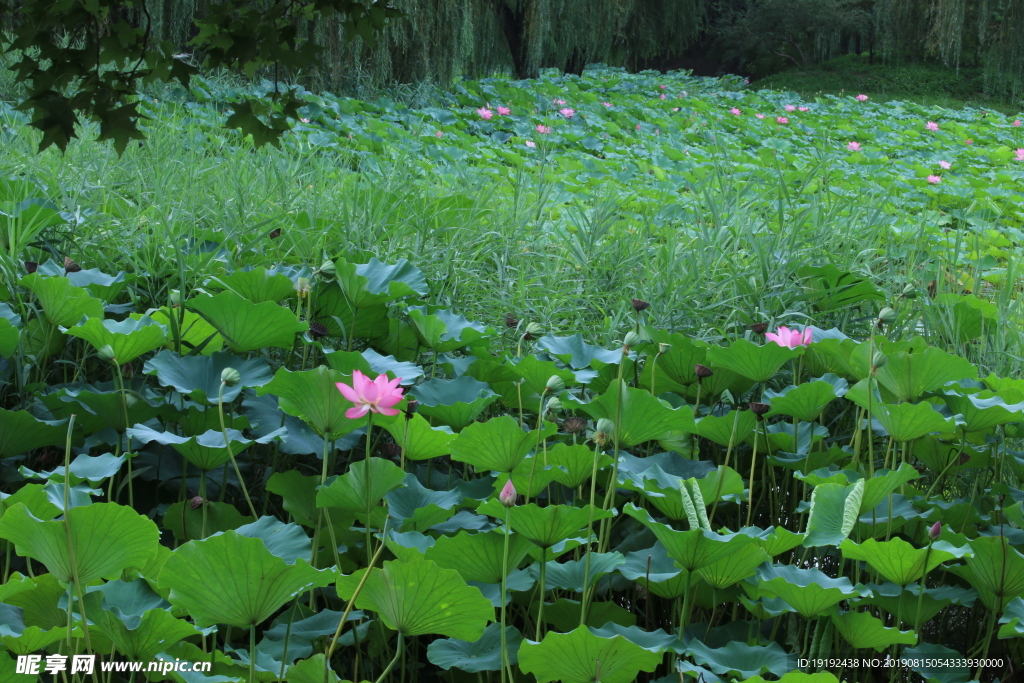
616, 378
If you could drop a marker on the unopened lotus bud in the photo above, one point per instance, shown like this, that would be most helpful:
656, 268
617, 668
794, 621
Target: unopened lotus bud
573, 425
909, 292
175, 297
631, 340
508, 494
317, 331
230, 377
196, 502
555, 384
511, 321
554, 404
663, 348
70, 266
106, 353
640, 305
934, 531
328, 269
31, 266
759, 409
702, 371
533, 330
886, 316
878, 360
759, 328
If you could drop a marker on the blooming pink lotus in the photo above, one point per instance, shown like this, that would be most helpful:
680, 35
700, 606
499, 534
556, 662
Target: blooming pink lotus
1020, 154
791, 339
607, 104
541, 128
485, 113
861, 98
531, 143
760, 116
934, 179
439, 134
853, 146
567, 112
803, 108
638, 126
790, 107
781, 119
557, 101
1016, 123
508, 494
968, 141
504, 111
735, 112
945, 165
304, 120
376, 395
931, 125
662, 86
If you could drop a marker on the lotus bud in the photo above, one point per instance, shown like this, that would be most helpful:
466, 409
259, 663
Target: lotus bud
878, 360
663, 348
175, 297
909, 292
328, 269
702, 372
605, 430
31, 266
759, 409
508, 494
70, 266
554, 404
230, 377
934, 531
555, 384
640, 305
632, 339
196, 502
886, 316
759, 328
511, 321
573, 425
533, 330
106, 353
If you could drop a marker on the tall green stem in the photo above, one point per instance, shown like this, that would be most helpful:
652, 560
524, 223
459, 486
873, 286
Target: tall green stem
504, 594
369, 483
231, 454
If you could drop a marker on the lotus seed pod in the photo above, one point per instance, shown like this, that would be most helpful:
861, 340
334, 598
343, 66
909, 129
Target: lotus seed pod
886, 315
317, 331
554, 404
106, 353
878, 359
175, 297
31, 266
511, 321
555, 384
230, 377
328, 269
196, 502
759, 409
632, 339
70, 266
759, 328
574, 425
663, 348
702, 371
909, 292
533, 330
640, 305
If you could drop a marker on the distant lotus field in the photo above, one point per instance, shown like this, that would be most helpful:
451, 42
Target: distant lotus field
628, 377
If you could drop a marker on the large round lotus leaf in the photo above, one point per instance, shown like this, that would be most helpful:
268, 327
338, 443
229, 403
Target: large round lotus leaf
742, 660
200, 376
575, 352
231, 579
455, 402
692, 549
774, 540
807, 400
138, 621
908, 605
350, 490
374, 283
638, 415
758, 363
576, 463
735, 566
193, 331
863, 631
545, 526
570, 575
809, 591
416, 597
444, 330
911, 375
733, 427
21, 432
477, 557
312, 671
129, 339
799, 677
996, 570
582, 657
498, 444
247, 326
897, 560
1012, 619
481, 655
674, 371
287, 541
62, 303
833, 513
207, 451
107, 538
313, 396
418, 439
186, 524
984, 410
564, 615
256, 285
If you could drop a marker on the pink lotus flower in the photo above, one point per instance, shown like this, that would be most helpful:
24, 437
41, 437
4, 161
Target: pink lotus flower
508, 494
567, 112
607, 104
934, 530
791, 339
557, 101
638, 126
1020, 154
735, 112
945, 165
504, 111
662, 96
1016, 123
853, 146
781, 119
485, 113
790, 107
861, 98
304, 120
439, 134
803, 108
541, 128
531, 143
934, 179
376, 395
760, 116
675, 108
968, 141
931, 125
662, 86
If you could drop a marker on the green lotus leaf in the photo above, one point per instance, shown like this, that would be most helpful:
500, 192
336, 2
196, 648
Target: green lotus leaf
39, 599
137, 620
85, 467
247, 326
191, 329
186, 524
208, 451
996, 570
256, 285
876, 489
544, 526
483, 654
798, 677
33, 639
691, 550
929, 653
911, 375
575, 352
41, 339
63, 304
21, 432
652, 565
656, 641
674, 371
312, 396
575, 463
564, 614
10, 337
908, 605
371, 284
734, 567
499, 444
456, 403
129, 339
863, 631
349, 491
582, 657
809, 591
424, 442
418, 508
417, 597
774, 540
477, 556
757, 363
829, 288
444, 331
806, 401
639, 416
733, 427
203, 578
740, 659
107, 538
897, 560
287, 541
984, 410
311, 670
101, 285
833, 513
1012, 619
334, 311
200, 376
570, 575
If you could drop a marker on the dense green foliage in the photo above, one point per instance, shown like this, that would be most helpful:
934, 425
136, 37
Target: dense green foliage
181, 478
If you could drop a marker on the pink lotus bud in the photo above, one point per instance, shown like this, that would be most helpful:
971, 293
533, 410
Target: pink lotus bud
508, 494
933, 532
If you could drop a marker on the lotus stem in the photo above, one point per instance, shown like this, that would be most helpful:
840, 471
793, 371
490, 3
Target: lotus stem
504, 593
391, 665
231, 454
369, 485
753, 466
543, 589
252, 654
590, 533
